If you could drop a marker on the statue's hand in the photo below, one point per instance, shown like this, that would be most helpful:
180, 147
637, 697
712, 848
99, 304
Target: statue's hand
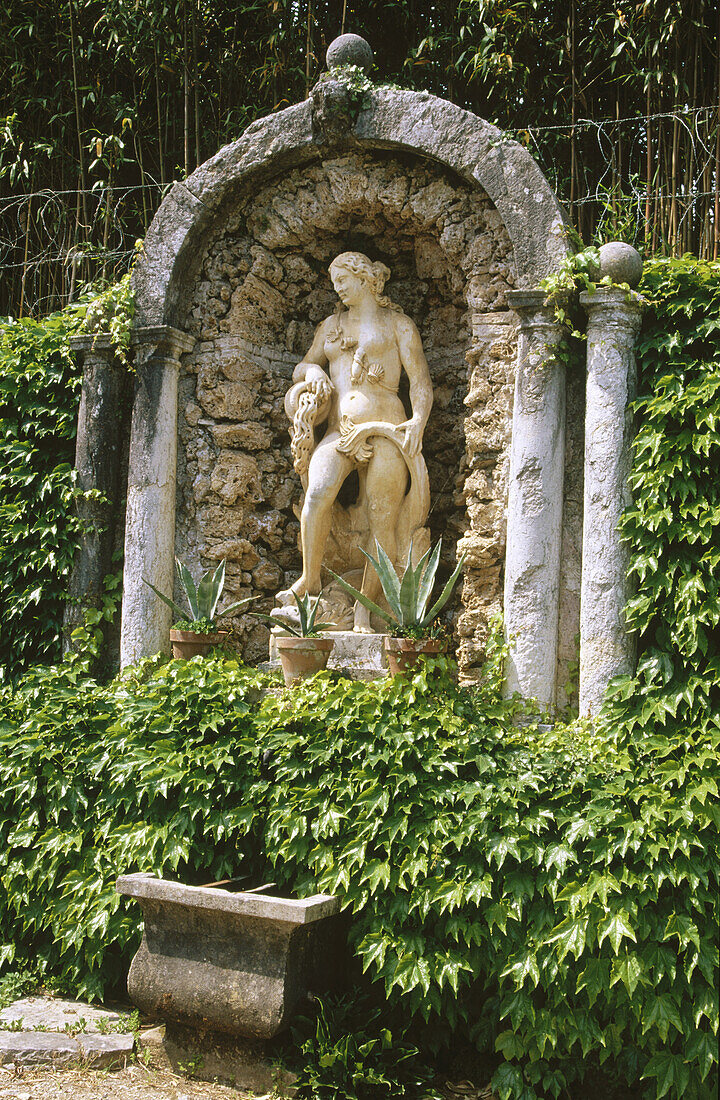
318, 382
413, 429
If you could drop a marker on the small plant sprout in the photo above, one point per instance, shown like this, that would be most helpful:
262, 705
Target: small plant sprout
307, 627
202, 599
407, 596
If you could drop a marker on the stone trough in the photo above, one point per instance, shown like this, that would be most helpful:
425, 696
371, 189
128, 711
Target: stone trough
238, 963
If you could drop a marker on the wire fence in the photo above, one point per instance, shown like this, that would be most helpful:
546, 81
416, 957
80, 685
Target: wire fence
651, 180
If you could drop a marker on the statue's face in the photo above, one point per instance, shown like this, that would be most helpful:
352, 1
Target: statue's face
350, 288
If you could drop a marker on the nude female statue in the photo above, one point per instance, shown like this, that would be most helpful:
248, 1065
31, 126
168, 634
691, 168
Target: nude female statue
350, 376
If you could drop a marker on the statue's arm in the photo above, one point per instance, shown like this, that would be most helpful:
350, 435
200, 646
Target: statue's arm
413, 360
315, 358
309, 374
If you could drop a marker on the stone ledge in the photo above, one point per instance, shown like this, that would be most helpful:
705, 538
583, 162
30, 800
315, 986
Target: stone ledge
357, 656
277, 910
36, 1048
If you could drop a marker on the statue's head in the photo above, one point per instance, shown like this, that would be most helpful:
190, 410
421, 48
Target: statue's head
375, 275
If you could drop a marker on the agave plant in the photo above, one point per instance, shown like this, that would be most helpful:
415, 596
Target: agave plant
407, 596
307, 611
202, 599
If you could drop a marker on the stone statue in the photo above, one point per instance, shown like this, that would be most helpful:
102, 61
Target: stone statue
349, 381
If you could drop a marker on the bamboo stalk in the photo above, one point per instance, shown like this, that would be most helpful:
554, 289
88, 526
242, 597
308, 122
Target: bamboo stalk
573, 113
308, 48
186, 98
716, 244
81, 151
648, 164
196, 83
161, 157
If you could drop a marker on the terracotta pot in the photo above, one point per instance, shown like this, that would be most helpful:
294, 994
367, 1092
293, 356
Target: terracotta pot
404, 653
302, 657
186, 643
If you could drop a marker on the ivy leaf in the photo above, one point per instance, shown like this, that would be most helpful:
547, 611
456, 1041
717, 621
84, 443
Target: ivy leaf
615, 927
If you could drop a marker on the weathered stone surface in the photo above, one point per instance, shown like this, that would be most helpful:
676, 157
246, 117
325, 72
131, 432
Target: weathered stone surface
54, 1013
428, 226
535, 500
37, 1048
150, 516
357, 656
239, 963
102, 1051
350, 49
98, 465
243, 1063
390, 118
606, 648
621, 262
240, 257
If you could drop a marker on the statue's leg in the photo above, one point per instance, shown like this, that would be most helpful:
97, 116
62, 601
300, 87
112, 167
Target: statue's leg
326, 473
385, 485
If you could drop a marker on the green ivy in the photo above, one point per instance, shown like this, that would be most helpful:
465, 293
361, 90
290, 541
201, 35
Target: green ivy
39, 530
548, 895
39, 393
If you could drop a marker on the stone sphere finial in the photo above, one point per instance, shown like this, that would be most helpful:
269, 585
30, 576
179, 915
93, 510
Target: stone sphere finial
349, 49
621, 262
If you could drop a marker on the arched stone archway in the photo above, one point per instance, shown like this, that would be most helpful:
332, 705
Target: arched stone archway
459, 153
403, 121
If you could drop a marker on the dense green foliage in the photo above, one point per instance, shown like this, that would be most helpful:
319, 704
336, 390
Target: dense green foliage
39, 392
552, 895
39, 528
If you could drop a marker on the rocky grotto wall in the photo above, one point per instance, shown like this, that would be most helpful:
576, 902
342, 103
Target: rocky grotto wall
262, 289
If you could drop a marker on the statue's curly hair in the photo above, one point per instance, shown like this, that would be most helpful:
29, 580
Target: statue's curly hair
375, 275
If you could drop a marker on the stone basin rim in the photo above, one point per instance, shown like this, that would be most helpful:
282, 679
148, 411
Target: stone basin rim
263, 906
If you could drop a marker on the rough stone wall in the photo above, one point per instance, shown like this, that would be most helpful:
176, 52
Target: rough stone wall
264, 287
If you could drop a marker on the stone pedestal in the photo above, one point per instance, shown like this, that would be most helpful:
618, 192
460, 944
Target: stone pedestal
237, 963
535, 502
98, 453
606, 648
357, 656
150, 517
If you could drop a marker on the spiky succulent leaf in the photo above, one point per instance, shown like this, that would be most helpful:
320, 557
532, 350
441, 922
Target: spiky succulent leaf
188, 586
364, 600
218, 583
170, 603
408, 593
427, 583
388, 579
236, 606
445, 594
277, 622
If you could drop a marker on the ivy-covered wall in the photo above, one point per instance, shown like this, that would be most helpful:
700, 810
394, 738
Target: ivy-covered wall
548, 897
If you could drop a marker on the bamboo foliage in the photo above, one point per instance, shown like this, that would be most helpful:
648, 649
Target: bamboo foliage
619, 103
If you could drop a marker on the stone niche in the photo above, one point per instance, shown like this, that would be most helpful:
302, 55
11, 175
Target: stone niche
233, 280
262, 287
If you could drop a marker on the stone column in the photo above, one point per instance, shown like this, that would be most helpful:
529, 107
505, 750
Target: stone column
606, 649
150, 517
97, 462
535, 501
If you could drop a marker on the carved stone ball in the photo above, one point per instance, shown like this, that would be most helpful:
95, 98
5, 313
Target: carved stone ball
621, 262
349, 49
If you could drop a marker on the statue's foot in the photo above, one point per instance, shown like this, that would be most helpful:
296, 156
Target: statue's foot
362, 622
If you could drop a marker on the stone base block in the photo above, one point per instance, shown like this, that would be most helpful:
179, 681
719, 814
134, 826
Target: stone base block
244, 1064
239, 963
357, 656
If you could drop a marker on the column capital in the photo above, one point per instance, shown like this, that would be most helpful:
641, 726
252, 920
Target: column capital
534, 311
101, 343
169, 342
613, 305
